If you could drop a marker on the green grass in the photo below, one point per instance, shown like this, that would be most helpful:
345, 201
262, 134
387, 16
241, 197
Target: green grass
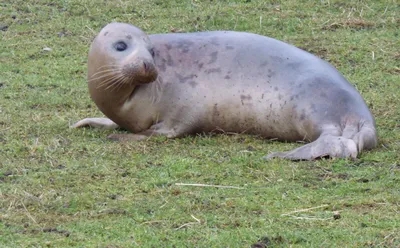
61, 187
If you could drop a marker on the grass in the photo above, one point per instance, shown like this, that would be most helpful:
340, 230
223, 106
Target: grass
62, 188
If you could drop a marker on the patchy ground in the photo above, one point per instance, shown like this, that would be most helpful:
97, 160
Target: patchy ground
61, 187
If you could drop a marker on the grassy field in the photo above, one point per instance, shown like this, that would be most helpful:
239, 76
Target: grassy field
61, 187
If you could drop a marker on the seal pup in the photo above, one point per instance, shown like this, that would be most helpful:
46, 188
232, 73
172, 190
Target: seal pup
185, 83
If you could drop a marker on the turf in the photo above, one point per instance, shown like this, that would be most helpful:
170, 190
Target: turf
64, 188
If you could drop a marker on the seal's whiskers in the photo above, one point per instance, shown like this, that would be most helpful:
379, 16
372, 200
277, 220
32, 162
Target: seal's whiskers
116, 84
106, 74
104, 71
156, 87
110, 81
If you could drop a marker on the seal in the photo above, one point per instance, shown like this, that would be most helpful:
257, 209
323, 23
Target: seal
185, 83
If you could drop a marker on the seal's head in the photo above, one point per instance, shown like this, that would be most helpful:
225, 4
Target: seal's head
120, 58
122, 52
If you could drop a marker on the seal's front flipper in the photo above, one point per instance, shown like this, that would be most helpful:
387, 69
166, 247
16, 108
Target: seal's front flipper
159, 129
325, 146
102, 123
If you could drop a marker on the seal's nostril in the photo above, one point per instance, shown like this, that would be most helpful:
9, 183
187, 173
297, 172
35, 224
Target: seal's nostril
145, 66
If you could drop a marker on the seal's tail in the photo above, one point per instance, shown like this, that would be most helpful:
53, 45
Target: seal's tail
355, 137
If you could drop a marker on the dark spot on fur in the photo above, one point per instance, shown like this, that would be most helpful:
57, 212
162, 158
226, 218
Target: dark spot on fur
280, 97
201, 65
168, 46
213, 70
262, 96
185, 50
214, 56
243, 97
184, 45
303, 115
323, 94
216, 112
129, 37
291, 98
203, 46
170, 62
229, 47
228, 76
265, 63
105, 34
161, 64
214, 41
193, 84
184, 79
276, 89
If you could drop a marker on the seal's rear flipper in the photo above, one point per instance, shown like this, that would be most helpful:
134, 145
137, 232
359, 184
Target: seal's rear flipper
324, 146
365, 139
102, 123
355, 137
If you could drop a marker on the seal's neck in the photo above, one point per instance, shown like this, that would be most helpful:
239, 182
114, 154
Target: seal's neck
110, 101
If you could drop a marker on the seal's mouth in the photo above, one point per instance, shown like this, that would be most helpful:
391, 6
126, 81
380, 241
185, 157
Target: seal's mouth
146, 67
140, 73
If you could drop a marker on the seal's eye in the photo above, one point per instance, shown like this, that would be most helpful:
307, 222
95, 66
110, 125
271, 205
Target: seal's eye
120, 46
151, 52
